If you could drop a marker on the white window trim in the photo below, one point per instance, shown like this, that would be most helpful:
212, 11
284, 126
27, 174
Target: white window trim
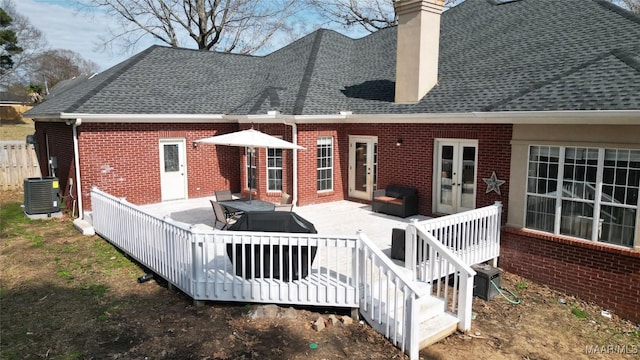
635, 243
275, 168
318, 139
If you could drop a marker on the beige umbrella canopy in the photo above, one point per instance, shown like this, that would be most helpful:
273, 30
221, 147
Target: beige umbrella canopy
250, 138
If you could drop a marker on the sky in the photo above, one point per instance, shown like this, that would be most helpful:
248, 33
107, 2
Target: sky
65, 28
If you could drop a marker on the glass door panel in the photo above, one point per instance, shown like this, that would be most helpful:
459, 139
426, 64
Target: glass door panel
455, 180
468, 178
361, 166
173, 181
363, 156
446, 175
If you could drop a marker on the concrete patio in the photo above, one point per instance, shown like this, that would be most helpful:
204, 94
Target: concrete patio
334, 218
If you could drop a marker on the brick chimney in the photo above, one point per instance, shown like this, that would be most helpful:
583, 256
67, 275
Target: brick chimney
418, 44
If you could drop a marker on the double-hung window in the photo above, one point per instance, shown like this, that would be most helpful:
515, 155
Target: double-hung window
274, 169
584, 192
251, 167
325, 163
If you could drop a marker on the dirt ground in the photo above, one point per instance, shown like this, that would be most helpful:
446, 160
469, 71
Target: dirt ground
68, 296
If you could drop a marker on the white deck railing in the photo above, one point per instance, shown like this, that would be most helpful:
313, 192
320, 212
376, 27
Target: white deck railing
440, 251
302, 269
451, 279
389, 299
310, 269
474, 235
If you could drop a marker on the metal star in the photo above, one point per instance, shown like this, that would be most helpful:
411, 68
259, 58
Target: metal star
493, 184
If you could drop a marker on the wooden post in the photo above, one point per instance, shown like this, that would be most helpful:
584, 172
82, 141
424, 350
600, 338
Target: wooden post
466, 300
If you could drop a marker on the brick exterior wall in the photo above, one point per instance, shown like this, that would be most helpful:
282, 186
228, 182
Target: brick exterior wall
123, 160
606, 275
410, 164
278, 130
307, 163
56, 139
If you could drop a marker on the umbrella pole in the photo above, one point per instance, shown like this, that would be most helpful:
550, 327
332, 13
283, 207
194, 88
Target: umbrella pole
252, 177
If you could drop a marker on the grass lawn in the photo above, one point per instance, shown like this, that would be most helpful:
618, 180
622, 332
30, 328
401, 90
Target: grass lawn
68, 296
16, 129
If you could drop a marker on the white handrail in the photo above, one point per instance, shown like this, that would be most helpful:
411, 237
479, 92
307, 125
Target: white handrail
439, 265
206, 264
389, 298
473, 235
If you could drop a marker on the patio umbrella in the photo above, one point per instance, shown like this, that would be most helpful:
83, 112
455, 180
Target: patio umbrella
252, 139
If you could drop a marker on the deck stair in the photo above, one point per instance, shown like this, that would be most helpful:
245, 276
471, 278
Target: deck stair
433, 322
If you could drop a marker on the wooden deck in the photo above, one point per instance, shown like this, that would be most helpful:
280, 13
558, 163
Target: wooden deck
325, 269
330, 219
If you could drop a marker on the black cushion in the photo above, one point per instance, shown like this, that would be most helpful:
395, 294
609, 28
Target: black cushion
399, 191
397, 244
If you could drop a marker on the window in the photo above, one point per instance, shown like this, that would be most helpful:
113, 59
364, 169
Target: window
325, 163
589, 193
250, 156
171, 158
274, 169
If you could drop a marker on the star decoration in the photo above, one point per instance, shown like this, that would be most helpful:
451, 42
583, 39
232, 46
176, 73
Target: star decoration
493, 184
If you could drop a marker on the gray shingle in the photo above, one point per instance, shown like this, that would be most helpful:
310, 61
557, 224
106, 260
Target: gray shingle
528, 55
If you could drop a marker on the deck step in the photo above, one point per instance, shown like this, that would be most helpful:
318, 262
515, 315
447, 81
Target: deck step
430, 307
437, 328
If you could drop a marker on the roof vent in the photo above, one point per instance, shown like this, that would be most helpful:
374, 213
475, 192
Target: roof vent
502, 2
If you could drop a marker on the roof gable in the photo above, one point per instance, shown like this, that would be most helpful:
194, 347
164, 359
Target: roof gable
527, 55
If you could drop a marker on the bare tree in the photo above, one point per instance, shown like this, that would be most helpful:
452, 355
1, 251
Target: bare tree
373, 15
631, 5
30, 39
239, 26
56, 65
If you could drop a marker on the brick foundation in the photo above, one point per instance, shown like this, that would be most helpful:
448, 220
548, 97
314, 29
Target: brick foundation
607, 275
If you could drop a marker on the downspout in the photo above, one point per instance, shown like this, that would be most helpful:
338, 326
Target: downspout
76, 159
294, 138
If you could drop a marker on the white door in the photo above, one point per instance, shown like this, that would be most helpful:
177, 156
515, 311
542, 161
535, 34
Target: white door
363, 164
455, 177
173, 172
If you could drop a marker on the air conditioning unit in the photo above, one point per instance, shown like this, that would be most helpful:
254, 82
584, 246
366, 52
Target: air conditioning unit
486, 282
41, 195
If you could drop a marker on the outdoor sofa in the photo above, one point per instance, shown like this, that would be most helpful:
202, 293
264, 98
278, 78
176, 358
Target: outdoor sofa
395, 200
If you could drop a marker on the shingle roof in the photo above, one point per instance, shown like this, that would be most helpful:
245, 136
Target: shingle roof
527, 55
11, 98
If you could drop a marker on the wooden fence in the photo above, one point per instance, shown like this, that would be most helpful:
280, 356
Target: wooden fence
18, 160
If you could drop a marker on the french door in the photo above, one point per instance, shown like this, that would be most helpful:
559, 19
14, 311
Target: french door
363, 166
455, 177
173, 179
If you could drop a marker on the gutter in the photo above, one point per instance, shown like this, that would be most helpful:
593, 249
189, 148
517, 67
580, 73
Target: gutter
271, 117
558, 117
81, 224
76, 158
569, 117
137, 118
294, 138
